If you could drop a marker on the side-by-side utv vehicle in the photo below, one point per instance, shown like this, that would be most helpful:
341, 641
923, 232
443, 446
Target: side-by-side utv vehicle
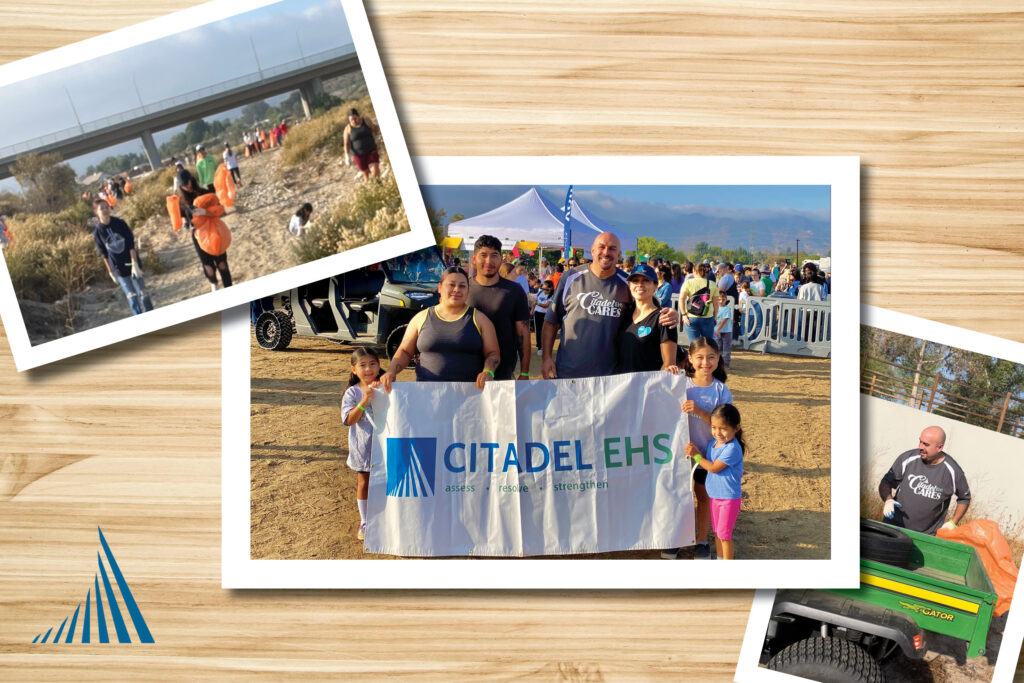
369, 306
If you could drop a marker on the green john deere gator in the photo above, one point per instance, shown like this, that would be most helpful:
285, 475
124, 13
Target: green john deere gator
910, 584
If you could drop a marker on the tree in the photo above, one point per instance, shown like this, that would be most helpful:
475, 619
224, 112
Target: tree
649, 246
117, 164
700, 250
196, 132
437, 223
49, 185
323, 101
254, 112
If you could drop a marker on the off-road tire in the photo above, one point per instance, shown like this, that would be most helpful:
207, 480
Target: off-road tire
828, 660
394, 341
886, 544
274, 330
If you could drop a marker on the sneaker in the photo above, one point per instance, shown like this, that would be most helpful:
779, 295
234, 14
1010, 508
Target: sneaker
669, 554
539, 352
362, 531
702, 551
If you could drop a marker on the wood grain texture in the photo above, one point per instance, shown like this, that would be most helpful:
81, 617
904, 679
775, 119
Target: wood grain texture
928, 94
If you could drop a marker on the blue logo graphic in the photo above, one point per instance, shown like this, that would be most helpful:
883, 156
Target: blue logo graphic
410, 464
95, 598
643, 331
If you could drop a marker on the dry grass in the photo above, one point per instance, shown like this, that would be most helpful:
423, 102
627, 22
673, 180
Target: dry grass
374, 213
148, 197
53, 255
322, 133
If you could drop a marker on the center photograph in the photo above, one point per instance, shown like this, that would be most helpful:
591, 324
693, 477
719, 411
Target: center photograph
576, 371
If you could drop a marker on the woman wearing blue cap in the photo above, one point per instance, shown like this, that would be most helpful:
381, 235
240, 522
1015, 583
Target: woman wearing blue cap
644, 344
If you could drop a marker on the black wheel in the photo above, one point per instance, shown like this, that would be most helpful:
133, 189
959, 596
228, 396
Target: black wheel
828, 660
274, 330
394, 341
883, 543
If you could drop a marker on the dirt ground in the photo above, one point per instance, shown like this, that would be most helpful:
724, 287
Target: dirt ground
260, 241
303, 494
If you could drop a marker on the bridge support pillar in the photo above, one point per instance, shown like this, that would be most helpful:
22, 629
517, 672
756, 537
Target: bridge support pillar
307, 91
151, 151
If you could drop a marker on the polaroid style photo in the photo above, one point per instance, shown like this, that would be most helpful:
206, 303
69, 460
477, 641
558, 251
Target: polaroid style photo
535, 390
192, 163
942, 530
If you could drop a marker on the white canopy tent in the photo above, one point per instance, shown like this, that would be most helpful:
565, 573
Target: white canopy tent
531, 218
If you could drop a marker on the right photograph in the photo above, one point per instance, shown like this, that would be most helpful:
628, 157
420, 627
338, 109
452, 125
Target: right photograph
942, 521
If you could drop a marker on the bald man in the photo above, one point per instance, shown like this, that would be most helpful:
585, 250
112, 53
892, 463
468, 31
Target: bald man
586, 309
918, 488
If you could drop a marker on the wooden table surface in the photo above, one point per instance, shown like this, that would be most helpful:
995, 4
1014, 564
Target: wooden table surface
928, 94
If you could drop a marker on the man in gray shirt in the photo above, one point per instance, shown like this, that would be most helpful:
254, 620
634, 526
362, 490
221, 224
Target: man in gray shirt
918, 487
587, 308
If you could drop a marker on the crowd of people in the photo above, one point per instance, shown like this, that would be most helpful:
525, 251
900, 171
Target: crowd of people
611, 316
200, 212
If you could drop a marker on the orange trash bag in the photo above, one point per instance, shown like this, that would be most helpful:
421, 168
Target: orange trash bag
111, 199
212, 234
128, 187
225, 186
995, 555
174, 211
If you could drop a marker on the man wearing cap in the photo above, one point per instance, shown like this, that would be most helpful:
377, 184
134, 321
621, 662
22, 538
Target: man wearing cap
587, 310
206, 168
766, 279
919, 486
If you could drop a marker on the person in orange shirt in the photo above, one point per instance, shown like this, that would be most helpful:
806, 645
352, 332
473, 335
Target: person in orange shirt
557, 275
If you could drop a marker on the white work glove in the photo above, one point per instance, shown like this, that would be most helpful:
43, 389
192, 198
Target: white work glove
889, 509
949, 525
348, 160
113, 278
137, 270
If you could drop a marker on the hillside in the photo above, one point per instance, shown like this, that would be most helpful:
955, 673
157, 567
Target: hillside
771, 233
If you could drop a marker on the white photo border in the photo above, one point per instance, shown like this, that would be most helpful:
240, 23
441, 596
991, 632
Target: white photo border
747, 669
238, 570
27, 356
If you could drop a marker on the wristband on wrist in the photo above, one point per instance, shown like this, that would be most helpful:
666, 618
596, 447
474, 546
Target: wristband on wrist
524, 374
360, 406
489, 372
698, 458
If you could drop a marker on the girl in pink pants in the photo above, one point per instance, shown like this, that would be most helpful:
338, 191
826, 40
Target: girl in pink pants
722, 457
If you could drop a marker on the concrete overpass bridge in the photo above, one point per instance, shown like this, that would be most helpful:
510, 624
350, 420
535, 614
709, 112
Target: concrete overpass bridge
305, 75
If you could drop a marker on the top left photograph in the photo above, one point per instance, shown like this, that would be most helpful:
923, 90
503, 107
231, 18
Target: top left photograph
192, 163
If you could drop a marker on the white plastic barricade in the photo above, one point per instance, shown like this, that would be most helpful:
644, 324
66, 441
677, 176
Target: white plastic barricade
784, 325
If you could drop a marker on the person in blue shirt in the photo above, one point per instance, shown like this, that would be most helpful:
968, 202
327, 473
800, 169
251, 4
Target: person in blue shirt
116, 245
723, 460
664, 292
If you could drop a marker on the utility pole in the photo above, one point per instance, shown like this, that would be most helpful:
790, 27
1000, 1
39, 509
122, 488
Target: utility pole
258, 67
72, 103
797, 262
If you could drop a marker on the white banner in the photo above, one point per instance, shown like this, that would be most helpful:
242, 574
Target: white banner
530, 468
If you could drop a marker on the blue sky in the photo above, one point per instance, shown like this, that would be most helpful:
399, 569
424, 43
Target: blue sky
167, 67
680, 215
